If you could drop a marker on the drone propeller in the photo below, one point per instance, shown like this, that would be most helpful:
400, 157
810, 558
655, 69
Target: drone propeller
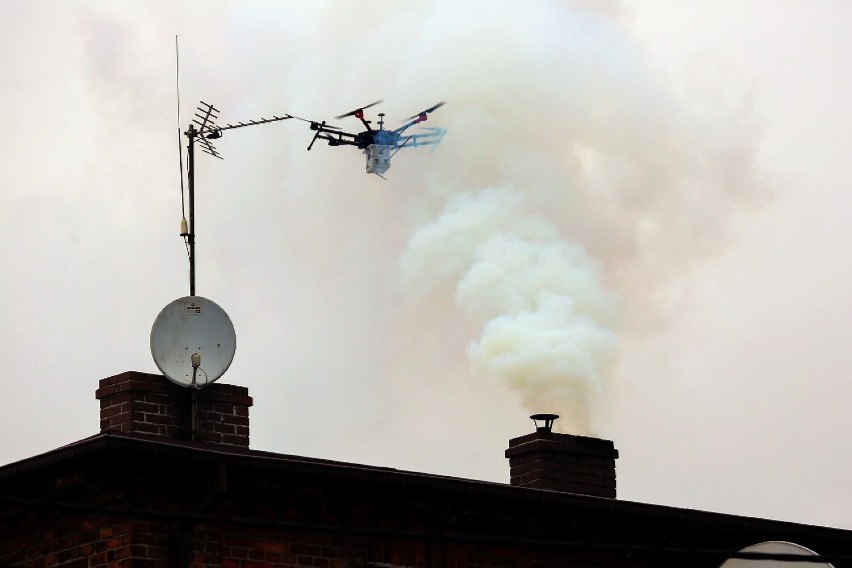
360, 111
422, 114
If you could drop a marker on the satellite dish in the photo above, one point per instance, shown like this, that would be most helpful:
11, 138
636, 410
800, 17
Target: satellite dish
193, 341
775, 547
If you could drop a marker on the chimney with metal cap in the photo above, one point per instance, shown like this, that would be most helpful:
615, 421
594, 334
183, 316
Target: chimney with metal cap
562, 462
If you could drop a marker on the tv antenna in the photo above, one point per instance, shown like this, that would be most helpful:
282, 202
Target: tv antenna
202, 130
193, 340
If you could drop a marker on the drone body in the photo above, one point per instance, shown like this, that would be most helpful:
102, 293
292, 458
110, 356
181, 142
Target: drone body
380, 145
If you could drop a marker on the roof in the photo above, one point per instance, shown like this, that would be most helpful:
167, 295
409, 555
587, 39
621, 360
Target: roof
109, 442
124, 474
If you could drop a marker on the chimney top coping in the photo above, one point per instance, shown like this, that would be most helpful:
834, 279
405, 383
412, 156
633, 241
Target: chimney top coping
568, 443
149, 382
584, 440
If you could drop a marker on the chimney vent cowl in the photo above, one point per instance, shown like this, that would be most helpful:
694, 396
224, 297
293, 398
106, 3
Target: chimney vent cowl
546, 420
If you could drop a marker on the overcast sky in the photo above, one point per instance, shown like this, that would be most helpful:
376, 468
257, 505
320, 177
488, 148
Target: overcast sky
638, 219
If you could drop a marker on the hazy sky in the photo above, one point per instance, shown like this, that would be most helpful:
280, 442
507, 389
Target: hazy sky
638, 219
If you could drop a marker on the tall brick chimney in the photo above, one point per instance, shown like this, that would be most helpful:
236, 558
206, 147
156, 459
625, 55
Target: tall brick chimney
144, 403
562, 462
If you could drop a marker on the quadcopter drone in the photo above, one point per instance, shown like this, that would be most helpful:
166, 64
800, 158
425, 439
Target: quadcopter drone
378, 145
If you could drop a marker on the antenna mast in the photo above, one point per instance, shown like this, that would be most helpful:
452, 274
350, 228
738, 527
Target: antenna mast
207, 130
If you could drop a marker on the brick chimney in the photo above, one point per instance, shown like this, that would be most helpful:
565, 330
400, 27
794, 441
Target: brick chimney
144, 403
562, 462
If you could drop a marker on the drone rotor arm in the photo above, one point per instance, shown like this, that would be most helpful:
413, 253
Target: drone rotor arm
405, 127
334, 135
398, 148
432, 137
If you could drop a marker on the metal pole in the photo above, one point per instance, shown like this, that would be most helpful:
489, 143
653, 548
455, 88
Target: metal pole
190, 174
193, 436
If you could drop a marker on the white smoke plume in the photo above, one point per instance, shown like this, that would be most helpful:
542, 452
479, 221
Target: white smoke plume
545, 316
579, 185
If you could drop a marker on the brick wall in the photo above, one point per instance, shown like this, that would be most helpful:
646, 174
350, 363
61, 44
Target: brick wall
150, 404
563, 462
46, 537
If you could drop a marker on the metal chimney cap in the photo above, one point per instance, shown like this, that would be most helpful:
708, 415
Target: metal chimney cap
547, 421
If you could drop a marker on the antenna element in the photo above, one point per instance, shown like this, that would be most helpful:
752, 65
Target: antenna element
203, 128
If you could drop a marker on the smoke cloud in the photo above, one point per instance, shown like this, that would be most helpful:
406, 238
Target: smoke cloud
546, 318
576, 185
